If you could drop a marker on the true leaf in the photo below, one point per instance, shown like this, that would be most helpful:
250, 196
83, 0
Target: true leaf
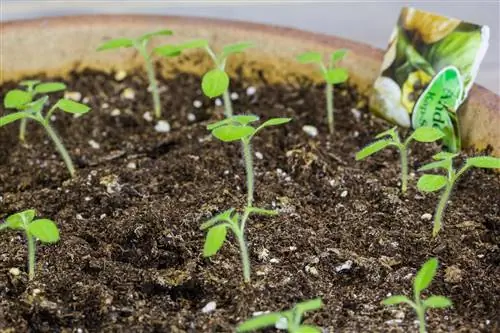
484, 162
215, 83
7, 119
16, 99
396, 300
226, 121
49, 87
214, 240
390, 132
230, 133
427, 134
336, 75
444, 164
425, 275
45, 230
372, 148
148, 35
244, 119
29, 83
338, 55
444, 155
437, 302
224, 216
115, 44
70, 106
235, 48
259, 322
19, 220
308, 329
431, 183
310, 57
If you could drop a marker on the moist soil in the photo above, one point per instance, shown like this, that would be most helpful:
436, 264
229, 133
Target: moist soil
130, 255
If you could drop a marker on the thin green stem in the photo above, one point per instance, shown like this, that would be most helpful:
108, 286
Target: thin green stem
329, 107
153, 83
31, 255
421, 319
228, 105
247, 154
245, 260
440, 209
60, 147
22, 129
404, 169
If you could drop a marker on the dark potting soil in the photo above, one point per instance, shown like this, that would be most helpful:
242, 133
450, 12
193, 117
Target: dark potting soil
130, 256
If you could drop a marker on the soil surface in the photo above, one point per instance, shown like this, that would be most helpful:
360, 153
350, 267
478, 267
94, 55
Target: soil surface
130, 256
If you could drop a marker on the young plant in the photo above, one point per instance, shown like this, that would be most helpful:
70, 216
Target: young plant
289, 320
391, 138
237, 128
332, 74
28, 109
433, 183
422, 280
33, 88
43, 229
216, 81
140, 44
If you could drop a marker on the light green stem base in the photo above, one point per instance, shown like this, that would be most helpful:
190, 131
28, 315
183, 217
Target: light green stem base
228, 105
22, 129
329, 107
404, 170
31, 256
443, 201
60, 148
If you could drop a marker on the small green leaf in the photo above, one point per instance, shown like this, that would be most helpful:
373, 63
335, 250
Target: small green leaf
427, 134
484, 162
45, 230
16, 99
235, 48
70, 106
259, 322
372, 148
193, 44
444, 155
115, 44
396, 299
308, 329
275, 122
261, 211
431, 183
244, 119
49, 87
7, 119
149, 35
310, 305
437, 302
310, 57
29, 83
338, 55
425, 275
230, 133
224, 216
392, 132
336, 75
168, 50
215, 83
214, 240
37, 105
220, 123
21, 219
444, 164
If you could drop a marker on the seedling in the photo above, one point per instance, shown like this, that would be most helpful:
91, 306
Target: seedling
433, 183
33, 88
289, 320
216, 81
140, 44
237, 128
28, 109
391, 138
43, 229
332, 74
422, 280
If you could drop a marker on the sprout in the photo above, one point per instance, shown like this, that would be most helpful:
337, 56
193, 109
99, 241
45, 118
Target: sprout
140, 44
433, 183
28, 109
291, 320
391, 138
422, 280
33, 88
43, 229
237, 128
331, 74
216, 81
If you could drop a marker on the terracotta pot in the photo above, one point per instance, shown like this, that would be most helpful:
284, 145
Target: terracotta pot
55, 46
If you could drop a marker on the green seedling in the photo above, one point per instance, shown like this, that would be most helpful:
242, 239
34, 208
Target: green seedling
290, 320
391, 138
433, 183
43, 229
237, 128
422, 280
141, 45
28, 109
33, 88
216, 81
332, 74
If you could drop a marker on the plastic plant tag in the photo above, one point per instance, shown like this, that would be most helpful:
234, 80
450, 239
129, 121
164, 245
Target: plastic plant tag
427, 72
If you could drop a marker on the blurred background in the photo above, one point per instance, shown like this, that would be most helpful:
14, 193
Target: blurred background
367, 21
